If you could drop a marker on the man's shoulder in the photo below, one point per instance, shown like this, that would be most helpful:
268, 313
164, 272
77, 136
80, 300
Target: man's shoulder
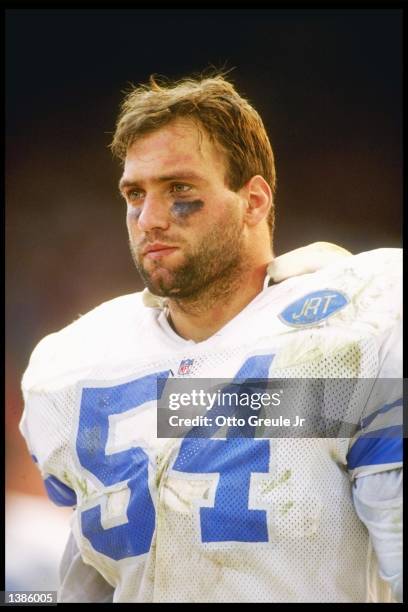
376, 273
104, 318
374, 263
87, 338
378, 260
320, 259
356, 291
379, 266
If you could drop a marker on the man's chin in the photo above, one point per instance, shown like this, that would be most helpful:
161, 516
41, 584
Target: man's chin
161, 283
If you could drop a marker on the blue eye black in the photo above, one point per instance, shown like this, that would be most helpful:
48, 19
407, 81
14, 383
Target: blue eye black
184, 209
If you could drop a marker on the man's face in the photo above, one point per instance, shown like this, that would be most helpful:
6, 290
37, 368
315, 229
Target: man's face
185, 225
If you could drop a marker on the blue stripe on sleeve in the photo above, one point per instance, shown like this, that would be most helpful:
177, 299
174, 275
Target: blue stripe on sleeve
381, 446
59, 493
365, 422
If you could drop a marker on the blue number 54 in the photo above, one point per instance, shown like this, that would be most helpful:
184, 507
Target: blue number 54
234, 459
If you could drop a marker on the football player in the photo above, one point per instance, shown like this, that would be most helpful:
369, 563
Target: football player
233, 518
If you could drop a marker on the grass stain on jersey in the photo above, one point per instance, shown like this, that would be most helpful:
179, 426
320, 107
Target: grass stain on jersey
67, 479
83, 487
334, 454
80, 484
286, 507
267, 487
286, 475
395, 526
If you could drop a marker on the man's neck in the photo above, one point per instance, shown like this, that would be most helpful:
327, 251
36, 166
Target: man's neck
199, 318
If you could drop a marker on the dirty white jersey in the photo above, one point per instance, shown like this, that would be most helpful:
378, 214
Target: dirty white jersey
229, 519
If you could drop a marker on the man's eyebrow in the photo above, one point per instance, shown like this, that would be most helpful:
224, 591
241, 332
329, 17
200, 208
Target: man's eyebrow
178, 176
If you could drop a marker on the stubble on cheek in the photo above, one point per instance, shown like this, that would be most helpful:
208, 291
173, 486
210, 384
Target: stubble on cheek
157, 278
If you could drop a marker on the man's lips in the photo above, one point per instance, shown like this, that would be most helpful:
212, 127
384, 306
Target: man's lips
157, 250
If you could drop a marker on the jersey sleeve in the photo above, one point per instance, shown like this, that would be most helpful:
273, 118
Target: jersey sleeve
45, 426
378, 502
377, 443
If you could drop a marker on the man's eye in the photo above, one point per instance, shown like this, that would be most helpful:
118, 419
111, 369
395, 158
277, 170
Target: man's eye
134, 195
180, 188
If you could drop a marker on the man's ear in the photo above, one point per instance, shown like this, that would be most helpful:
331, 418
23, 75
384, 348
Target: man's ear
259, 199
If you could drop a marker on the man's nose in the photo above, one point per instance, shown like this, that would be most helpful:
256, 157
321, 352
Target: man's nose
154, 214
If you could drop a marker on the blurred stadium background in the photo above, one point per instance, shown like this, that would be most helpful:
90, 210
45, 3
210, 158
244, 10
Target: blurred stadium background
328, 85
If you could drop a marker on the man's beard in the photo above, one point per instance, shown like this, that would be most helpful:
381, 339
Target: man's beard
211, 269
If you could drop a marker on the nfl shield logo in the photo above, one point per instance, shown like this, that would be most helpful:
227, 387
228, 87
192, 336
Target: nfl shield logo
185, 366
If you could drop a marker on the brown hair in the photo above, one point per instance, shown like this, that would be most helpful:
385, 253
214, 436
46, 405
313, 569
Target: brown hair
212, 102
